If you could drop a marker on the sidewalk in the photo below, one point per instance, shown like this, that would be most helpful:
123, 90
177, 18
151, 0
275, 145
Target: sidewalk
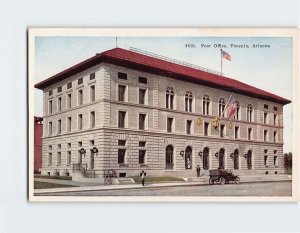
96, 187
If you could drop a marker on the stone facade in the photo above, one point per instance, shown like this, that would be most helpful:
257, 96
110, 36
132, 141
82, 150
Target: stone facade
109, 138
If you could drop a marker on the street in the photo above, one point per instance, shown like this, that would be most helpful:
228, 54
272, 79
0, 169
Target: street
282, 188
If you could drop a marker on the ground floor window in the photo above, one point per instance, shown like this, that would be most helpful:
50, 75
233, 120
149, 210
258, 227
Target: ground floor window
68, 157
222, 159
121, 156
169, 157
236, 159
249, 159
142, 155
206, 158
188, 157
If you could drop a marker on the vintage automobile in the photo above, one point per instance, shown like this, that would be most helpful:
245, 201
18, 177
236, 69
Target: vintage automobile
222, 176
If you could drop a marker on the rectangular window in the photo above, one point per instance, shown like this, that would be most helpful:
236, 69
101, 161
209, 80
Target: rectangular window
275, 161
69, 158
236, 132
266, 106
50, 93
50, 147
50, 128
69, 145
92, 119
92, 142
188, 126
265, 135
58, 158
50, 108
222, 131
121, 93
266, 160
169, 124
49, 159
79, 144
121, 142
69, 85
69, 126
59, 126
80, 81
92, 76
80, 121
142, 118
142, 143
275, 136
142, 94
275, 108
92, 93
206, 125
59, 89
249, 133
69, 100
275, 119
142, 155
59, 104
121, 122
143, 80
121, 156
58, 146
122, 75
80, 97
265, 118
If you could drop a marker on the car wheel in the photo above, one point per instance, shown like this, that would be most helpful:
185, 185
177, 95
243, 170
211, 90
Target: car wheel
211, 181
237, 180
222, 180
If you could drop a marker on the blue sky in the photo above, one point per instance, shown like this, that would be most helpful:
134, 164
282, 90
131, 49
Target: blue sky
266, 68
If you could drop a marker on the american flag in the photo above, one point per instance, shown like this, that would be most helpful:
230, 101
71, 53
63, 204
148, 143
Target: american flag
231, 107
226, 55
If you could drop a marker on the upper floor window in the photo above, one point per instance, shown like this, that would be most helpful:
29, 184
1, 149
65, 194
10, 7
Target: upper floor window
169, 124
265, 135
275, 119
170, 98
206, 102
275, 136
221, 107
80, 81
92, 76
69, 100
265, 118
236, 132
69, 124
266, 106
50, 107
121, 92
188, 101
121, 142
249, 133
121, 120
50, 128
142, 96
80, 97
142, 120
237, 114
80, 121
275, 108
69, 85
92, 119
59, 126
249, 112
50, 93
188, 127
206, 126
122, 75
59, 89
143, 80
92, 93
59, 104
222, 131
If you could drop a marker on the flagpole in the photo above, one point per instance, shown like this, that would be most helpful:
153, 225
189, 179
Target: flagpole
226, 105
221, 62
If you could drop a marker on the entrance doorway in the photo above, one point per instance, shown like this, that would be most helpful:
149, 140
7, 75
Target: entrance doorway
188, 157
169, 157
236, 159
222, 158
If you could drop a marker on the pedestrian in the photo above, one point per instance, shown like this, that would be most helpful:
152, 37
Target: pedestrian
143, 176
198, 169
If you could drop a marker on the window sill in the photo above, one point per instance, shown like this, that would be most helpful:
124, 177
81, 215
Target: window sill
123, 165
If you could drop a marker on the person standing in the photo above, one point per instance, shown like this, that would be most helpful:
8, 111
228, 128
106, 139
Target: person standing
198, 169
143, 175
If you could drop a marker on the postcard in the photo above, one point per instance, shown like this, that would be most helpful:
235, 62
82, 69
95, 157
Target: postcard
163, 115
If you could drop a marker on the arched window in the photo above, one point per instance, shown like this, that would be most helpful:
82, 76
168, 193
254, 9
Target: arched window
169, 157
170, 98
222, 158
188, 157
206, 102
249, 159
249, 112
221, 107
206, 158
237, 115
188, 101
236, 159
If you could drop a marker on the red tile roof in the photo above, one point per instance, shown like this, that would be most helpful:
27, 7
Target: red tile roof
157, 66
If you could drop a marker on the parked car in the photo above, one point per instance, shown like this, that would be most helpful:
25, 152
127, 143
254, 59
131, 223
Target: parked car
222, 176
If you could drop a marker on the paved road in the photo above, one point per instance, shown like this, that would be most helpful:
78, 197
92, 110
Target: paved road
283, 188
